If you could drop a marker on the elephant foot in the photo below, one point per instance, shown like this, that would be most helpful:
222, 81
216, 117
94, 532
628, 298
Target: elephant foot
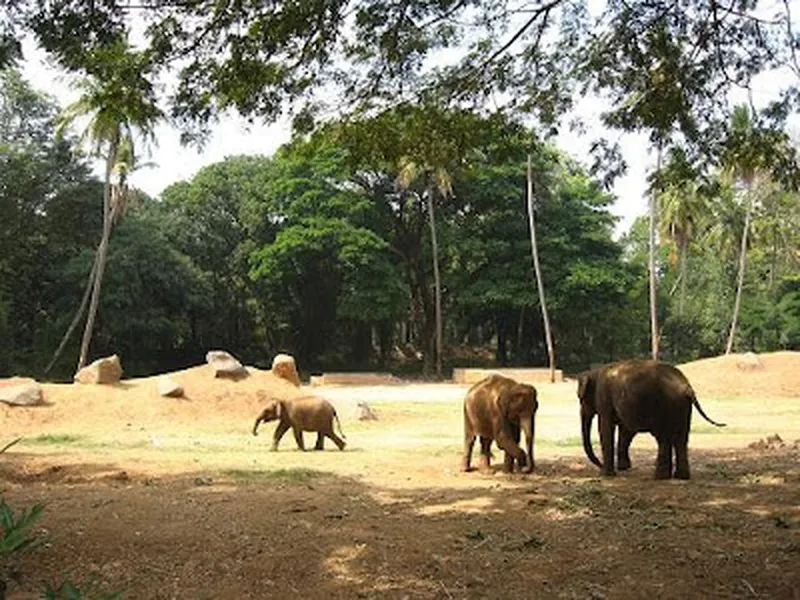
609, 473
623, 465
681, 474
527, 469
484, 466
662, 474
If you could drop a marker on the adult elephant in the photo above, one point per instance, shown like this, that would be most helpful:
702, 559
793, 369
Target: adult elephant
496, 409
639, 395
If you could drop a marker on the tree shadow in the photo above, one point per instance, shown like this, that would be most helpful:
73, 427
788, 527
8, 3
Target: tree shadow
563, 532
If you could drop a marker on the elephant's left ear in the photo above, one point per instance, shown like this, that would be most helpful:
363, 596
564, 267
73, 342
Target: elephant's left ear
583, 382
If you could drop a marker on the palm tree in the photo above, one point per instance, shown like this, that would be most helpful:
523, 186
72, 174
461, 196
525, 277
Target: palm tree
437, 180
119, 102
744, 158
681, 209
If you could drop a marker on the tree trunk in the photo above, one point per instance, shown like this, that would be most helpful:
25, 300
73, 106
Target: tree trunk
78, 315
539, 286
436, 282
684, 251
742, 265
652, 268
102, 256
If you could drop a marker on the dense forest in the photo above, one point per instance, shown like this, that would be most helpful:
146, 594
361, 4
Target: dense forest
396, 230
323, 250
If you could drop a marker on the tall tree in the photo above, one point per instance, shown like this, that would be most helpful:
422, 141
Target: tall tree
538, 270
750, 153
119, 101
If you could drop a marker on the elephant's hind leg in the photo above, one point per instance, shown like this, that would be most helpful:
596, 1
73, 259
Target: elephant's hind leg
681, 444
664, 459
486, 454
320, 445
340, 443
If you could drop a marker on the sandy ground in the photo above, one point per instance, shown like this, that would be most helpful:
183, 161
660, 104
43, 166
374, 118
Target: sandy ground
174, 498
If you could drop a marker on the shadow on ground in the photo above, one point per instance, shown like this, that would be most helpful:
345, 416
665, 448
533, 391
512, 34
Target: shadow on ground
733, 531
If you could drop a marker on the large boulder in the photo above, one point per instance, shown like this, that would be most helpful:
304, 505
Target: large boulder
169, 388
103, 370
749, 361
283, 366
225, 365
21, 391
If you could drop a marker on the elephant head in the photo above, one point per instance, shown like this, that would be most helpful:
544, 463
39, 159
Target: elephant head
518, 405
272, 411
587, 383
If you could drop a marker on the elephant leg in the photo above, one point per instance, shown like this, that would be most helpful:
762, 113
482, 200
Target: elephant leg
664, 459
486, 453
340, 443
469, 443
681, 444
298, 436
282, 428
320, 445
623, 447
508, 458
607, 426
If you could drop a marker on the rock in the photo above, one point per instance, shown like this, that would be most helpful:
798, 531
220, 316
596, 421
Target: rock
284, 367
749, 361
169, 388
21, 391
103, 370
225, 365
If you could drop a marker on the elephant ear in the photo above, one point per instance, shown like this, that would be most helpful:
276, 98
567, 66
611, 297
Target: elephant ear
511, 400
278, 408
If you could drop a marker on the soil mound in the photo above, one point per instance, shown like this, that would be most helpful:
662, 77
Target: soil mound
88, 409
732, 376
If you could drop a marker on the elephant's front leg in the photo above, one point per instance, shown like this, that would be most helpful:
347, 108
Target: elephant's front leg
664, 459
623, 448
298, 436
282, 428
606, 426
320, 445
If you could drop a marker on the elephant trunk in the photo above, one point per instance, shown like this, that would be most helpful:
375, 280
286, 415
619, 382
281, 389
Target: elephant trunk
587, 417
255, 426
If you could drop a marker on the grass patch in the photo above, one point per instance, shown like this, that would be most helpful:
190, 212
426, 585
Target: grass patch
567, 442
293, 475
54, 439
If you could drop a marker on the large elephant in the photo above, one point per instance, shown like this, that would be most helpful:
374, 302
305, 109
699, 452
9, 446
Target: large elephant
496, 409
639, 395
309, 413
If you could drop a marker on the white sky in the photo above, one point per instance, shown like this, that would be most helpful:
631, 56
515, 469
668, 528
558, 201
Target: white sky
232, 136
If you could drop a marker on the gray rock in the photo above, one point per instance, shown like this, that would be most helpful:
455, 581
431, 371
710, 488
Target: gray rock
19, 391
103, 370
225, 365
169, 388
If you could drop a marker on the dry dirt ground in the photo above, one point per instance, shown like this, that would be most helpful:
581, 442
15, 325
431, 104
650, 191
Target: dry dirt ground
166, 498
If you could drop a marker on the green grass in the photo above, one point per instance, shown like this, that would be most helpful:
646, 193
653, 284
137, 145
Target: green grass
291, 475
54, 439
567, 442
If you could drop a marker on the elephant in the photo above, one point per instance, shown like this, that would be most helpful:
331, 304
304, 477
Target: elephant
308, 413
496, 409
639, 395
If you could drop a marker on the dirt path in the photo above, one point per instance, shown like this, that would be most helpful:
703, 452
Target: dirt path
175, 499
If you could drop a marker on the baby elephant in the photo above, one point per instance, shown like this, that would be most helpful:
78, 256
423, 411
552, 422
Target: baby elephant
309, 413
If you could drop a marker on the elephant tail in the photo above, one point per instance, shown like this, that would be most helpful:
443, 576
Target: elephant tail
703, 414
339, 425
